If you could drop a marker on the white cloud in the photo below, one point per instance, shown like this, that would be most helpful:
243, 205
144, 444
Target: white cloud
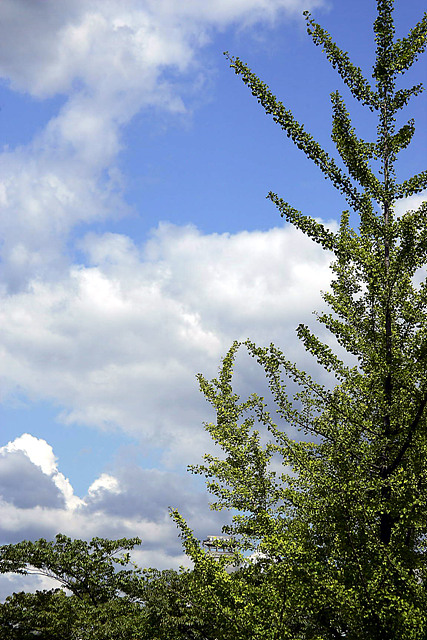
40, 453
109, 59
410, 204
127, 503
14, 583
221, 12
46, 48
105, 483
117, 343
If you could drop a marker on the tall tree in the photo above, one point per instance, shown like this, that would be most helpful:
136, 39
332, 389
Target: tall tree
345, 524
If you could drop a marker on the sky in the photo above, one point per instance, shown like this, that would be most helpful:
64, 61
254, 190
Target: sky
137, 243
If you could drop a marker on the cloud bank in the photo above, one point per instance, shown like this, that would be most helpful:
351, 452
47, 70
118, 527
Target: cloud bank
117, 343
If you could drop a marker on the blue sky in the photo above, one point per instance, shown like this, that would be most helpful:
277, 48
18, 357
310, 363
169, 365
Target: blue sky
137, 242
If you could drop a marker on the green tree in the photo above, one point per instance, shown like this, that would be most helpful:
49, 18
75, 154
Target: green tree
53, 615
45, 613
87, 569
243, 602
128, 604
102, 604
108, 599
345, 529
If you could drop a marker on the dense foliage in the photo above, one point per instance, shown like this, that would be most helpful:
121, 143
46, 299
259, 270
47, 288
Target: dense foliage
340, 531
102, 602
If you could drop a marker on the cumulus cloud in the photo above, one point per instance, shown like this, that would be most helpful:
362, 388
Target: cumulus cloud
117, 343
104, 484
24, 485
150, 492
33, 459
128, 502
